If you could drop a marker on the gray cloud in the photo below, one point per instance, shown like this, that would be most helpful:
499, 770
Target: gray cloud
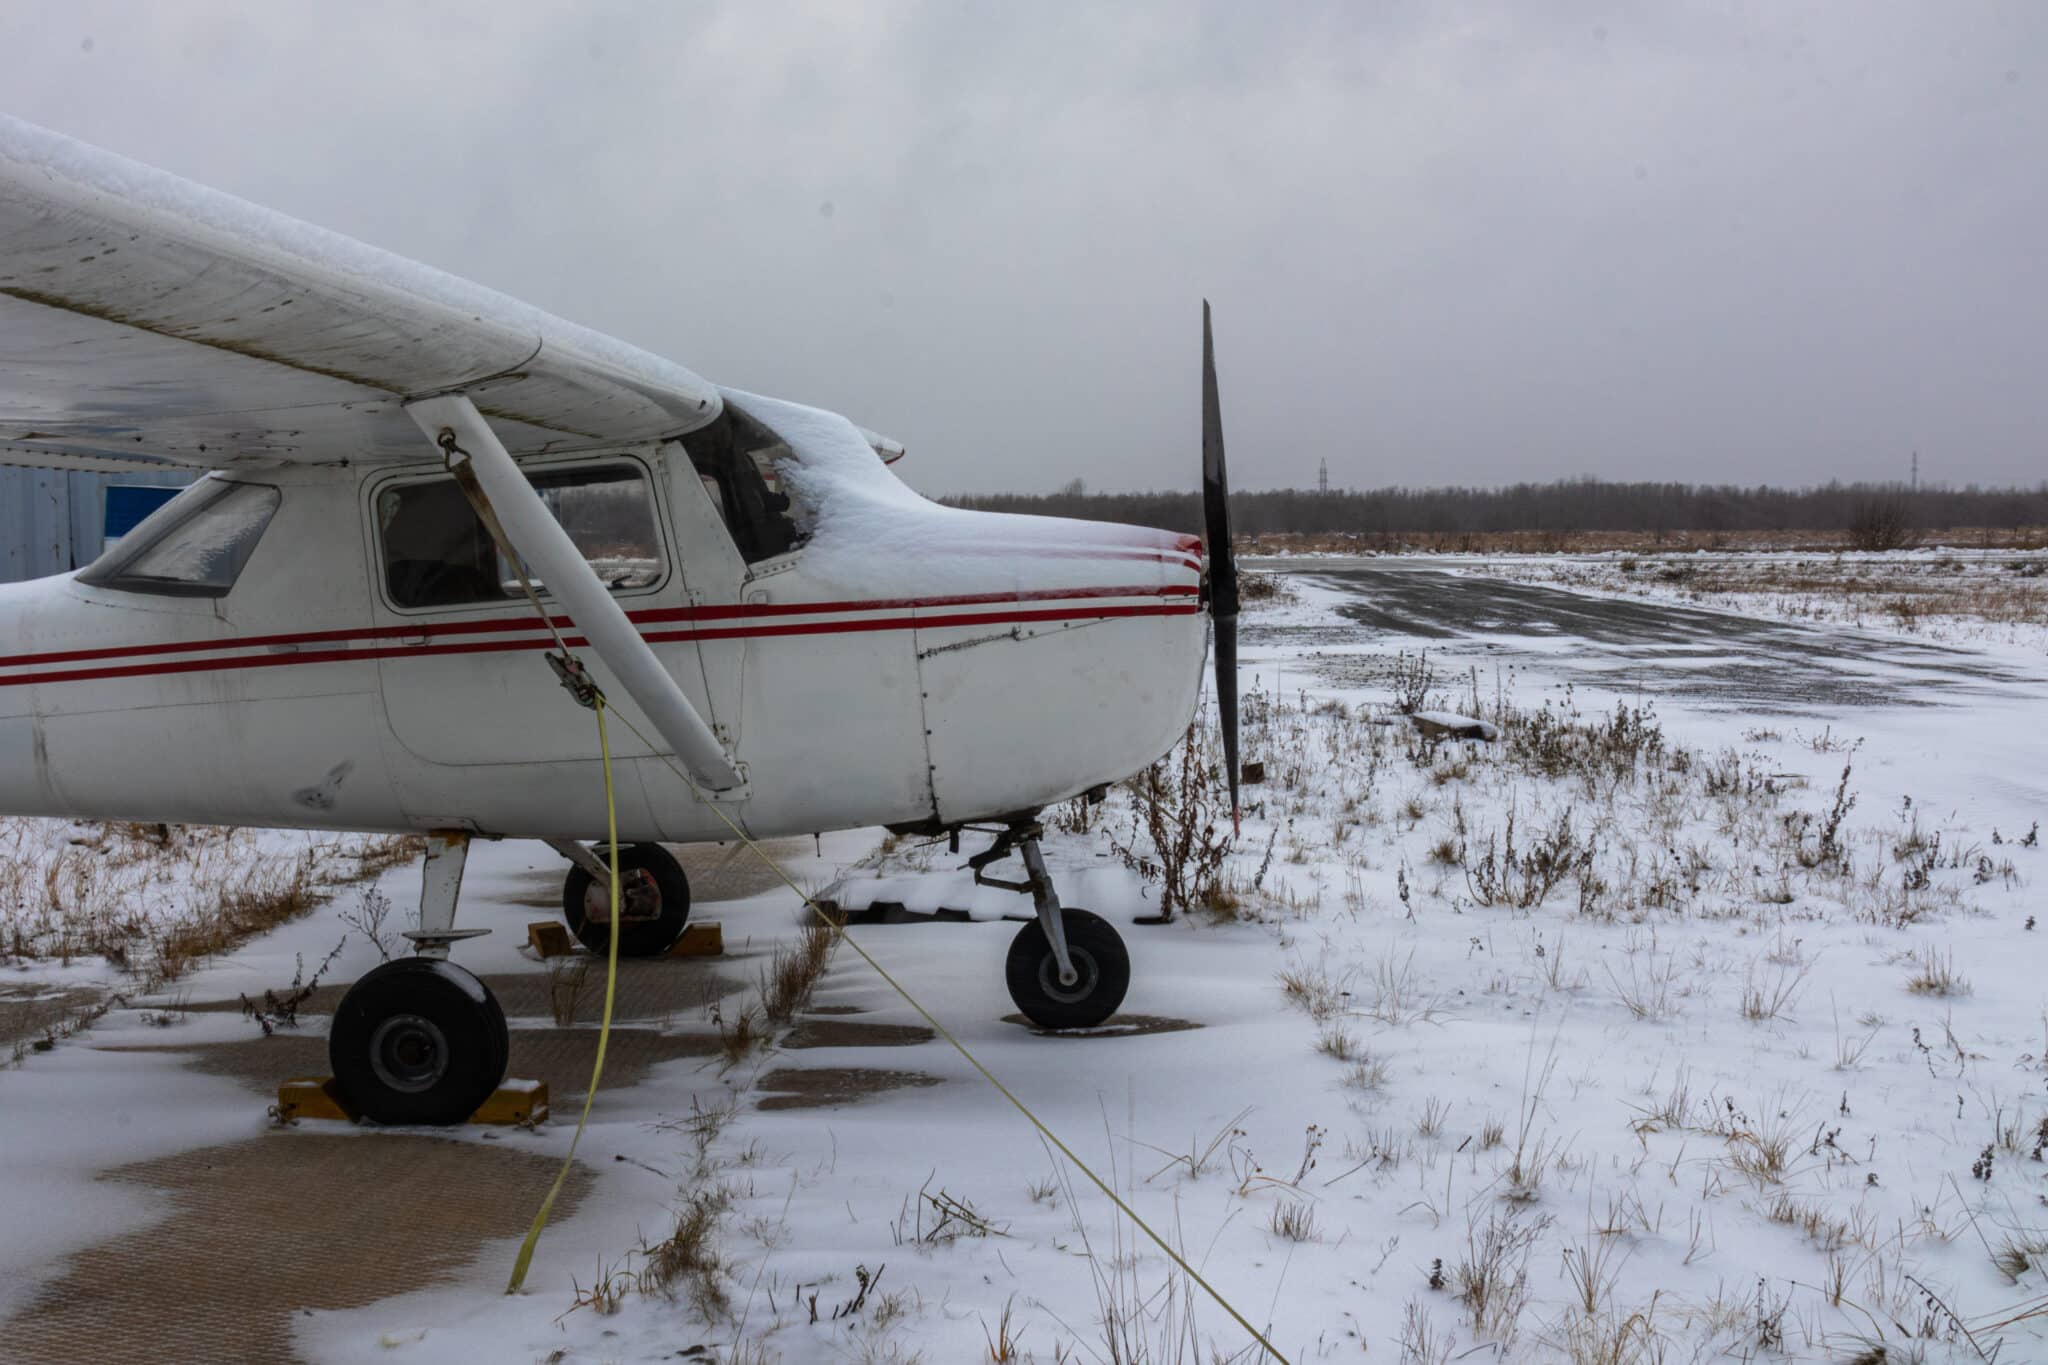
1461, 242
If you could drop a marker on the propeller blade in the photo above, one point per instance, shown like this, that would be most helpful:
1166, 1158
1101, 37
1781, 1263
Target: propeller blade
1222, 563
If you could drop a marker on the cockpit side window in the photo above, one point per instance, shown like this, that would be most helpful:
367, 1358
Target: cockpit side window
195, 545
437, 554
738, 459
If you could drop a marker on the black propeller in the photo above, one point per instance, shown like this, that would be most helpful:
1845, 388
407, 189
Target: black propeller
1222, 564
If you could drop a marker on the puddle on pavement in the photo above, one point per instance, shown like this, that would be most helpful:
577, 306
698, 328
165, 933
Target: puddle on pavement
826, 1087
842, 1032
648, 988
560, 1056
30, 1014
1119, 1026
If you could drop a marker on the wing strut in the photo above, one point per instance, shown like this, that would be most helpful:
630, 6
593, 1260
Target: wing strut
542, 543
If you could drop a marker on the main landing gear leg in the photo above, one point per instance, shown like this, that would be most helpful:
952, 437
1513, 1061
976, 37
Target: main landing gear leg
1068, 968
420, 1040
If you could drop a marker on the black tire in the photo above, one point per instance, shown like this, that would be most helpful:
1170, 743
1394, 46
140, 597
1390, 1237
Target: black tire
659, 875
418, 1040
1099, 960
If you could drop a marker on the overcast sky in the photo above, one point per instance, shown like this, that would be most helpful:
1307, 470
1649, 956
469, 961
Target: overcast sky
1445, 242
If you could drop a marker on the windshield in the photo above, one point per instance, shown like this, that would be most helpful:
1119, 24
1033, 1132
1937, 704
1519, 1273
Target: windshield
739, 458
196, 545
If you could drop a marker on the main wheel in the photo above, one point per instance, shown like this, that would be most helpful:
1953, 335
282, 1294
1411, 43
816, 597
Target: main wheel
418, 1040
1101, 967
654, 903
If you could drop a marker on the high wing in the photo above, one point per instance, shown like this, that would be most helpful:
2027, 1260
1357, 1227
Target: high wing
147, 321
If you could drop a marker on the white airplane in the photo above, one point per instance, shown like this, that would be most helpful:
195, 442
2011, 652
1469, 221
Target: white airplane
329, 629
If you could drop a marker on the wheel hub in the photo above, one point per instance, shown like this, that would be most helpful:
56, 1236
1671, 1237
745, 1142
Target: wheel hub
1086, 976
639, 897
409, 1053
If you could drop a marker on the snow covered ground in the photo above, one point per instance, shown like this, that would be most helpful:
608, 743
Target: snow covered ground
1703, 1058
1698, 1015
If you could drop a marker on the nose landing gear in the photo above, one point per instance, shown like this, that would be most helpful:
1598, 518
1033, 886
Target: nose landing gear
1068, 968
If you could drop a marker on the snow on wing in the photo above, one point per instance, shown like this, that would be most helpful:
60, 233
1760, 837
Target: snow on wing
145, 320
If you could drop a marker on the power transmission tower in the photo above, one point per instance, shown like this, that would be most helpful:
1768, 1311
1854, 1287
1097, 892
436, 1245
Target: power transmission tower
1323, 478
1916, 472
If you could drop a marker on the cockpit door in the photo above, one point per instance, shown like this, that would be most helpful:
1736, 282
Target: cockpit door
464, 671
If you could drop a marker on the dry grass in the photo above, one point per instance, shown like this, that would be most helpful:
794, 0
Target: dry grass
155, 901
1934, 973
267, 897
1593, 1271
739, 1037
1420, 1342
1311, 989
941, 1217
567, 977
1768, 996
2019, 1252
1340, 1043
1201, 1156
1397, 998
793, 975
606, 1294
1368, 1073
1649, 991
1430, 1123
1764, 1151
1493, 1276
687, 1261
1294, 1222
1612, 1337
1005, 1342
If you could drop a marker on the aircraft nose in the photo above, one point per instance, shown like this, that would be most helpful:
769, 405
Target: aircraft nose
1095, 675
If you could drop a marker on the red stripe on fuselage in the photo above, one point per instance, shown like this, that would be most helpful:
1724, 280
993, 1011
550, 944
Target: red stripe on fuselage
649, 616
242, 661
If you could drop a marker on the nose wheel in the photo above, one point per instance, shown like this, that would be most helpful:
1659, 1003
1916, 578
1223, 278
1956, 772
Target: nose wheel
418, 1040
1067, 968
1081, 998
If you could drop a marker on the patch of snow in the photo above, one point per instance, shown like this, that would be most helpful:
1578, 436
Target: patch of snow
872, 533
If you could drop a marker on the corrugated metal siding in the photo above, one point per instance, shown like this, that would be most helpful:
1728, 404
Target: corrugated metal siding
50, 520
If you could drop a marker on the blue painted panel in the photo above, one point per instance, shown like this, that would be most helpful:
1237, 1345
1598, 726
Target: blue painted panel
128, 504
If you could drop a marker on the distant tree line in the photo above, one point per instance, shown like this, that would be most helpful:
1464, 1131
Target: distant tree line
1566, 505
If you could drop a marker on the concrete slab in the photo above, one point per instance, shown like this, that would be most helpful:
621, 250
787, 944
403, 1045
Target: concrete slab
261, 1230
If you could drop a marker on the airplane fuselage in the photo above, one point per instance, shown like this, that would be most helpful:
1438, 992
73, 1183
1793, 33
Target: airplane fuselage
332, 687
